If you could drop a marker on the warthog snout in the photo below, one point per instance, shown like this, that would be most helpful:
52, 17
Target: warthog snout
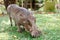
35, 33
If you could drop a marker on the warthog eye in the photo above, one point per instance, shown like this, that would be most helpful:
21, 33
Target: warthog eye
29, 23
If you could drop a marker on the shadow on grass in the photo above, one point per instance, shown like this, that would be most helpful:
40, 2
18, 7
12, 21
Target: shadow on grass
13, 31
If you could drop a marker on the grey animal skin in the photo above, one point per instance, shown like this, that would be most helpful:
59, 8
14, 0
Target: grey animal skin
22, 16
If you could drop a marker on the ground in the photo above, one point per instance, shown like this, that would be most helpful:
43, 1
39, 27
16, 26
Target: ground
49, 24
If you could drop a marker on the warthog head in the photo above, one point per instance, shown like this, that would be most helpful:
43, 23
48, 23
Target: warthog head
32, 27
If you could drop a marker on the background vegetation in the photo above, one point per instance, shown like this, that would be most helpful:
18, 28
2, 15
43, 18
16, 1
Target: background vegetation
49, 24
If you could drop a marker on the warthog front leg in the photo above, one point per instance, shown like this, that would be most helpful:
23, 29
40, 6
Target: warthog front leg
10, 20
19, 28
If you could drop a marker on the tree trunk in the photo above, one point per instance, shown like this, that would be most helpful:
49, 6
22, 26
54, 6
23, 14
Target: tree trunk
31, 4
25, 3
22, 3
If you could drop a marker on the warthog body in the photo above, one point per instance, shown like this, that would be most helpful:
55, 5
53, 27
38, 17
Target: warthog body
24, 17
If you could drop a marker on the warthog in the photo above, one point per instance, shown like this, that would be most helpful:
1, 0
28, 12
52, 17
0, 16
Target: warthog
24, 17
57, 6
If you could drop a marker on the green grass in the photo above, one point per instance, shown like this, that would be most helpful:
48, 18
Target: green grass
49, 24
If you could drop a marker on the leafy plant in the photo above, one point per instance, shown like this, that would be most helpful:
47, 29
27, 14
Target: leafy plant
50, 5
